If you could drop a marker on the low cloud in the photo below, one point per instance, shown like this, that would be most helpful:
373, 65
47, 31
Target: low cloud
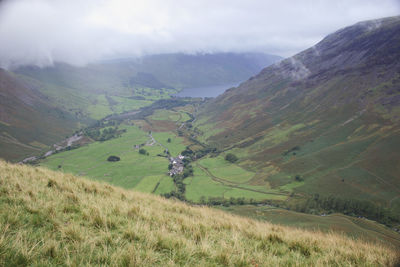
41, 32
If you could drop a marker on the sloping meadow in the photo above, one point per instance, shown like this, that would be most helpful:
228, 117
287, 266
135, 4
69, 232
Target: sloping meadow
51, 218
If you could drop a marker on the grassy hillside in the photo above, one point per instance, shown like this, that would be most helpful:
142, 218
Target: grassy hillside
214, 180
355, 227
28, 122
324, 122
50, 218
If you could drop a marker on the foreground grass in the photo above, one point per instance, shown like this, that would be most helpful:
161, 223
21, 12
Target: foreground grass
51, 218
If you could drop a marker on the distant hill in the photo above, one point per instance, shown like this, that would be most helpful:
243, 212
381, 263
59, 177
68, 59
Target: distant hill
28, 122
155, 71
183, 71
325, 120
51, 218
78, 89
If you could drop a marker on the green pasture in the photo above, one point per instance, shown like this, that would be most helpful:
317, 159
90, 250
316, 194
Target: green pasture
123, 104
91, 160
165, 115
202, 185
149, 183
175, 147
166, 185
169, 115
223, 169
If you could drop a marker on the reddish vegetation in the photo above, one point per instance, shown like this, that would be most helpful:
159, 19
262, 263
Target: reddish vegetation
26, 116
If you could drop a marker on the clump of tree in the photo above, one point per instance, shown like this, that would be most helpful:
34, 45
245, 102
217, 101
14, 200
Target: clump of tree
180, 186
292, 150
113, 158
193, 155
221, 201
298, 178
231, 157
160, 104
143, 151
105, 134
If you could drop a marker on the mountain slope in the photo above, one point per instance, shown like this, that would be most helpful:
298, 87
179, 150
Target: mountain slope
329, 116
28, 123
50, 218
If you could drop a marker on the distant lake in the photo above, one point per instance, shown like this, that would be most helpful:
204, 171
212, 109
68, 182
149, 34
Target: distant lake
206, 91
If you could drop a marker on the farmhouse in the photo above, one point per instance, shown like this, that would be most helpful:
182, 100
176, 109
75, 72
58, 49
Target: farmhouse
177, 165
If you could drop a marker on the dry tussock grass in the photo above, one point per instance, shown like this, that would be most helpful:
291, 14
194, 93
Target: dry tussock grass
50, 218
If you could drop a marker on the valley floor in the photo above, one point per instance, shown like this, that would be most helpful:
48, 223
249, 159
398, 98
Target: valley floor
214, 180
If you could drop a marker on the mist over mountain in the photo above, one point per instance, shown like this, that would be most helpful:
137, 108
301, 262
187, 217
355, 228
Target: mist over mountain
42, 32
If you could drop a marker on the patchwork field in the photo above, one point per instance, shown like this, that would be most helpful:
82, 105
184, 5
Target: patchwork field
213, 178
134, 169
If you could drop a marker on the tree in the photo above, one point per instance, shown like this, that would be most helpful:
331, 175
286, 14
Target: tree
169, 140
113, 158
298, 178
231, 157
142, 151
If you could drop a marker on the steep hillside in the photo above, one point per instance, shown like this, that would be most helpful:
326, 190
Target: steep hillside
325, 121
50, 218
28, 123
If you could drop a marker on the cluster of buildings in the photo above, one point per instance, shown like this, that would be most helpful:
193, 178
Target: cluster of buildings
177, 165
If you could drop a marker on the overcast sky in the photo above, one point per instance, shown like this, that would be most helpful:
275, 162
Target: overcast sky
77, 31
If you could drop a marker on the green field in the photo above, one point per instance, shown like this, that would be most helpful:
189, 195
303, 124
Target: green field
205, 184
223, 169
169, 115
133, 168
213, 177
175, 146
99, 108
123, 104
201, 185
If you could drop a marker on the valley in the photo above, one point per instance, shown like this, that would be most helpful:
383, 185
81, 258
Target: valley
213, 180
206, 158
